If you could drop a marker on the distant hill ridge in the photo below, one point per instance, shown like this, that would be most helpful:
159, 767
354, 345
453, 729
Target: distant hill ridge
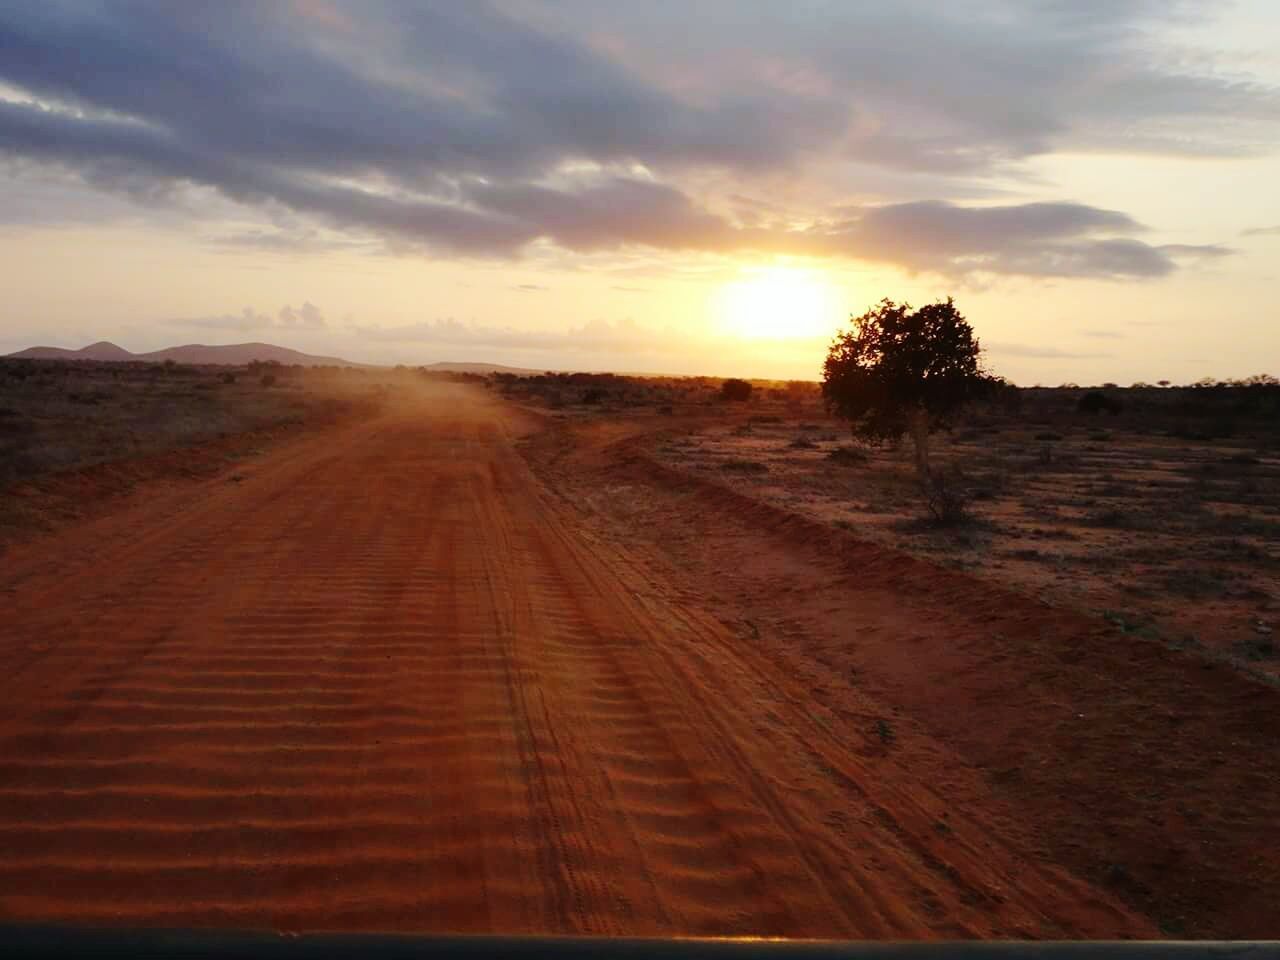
232, 354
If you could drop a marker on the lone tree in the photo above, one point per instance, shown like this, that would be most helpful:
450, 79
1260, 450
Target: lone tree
900, 370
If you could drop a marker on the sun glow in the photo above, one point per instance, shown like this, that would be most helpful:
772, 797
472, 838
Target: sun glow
778, 302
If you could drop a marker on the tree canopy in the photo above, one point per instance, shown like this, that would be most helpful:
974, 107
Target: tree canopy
900, 370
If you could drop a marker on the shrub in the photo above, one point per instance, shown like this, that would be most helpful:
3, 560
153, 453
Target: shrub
735, 390
947, 497
268, 380
847, 456
228, 378
884, 730
1095, 402
744, 466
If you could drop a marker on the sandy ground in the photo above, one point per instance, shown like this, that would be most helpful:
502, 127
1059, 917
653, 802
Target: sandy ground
1154, 534
1144, 766
389, 677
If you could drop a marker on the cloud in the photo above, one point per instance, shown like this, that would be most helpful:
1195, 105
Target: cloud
1034, 352
1031, 239
1037, 239
477, 129
306, 317
597, 336
1102, 334
1261, 232
295, 240
1193, 251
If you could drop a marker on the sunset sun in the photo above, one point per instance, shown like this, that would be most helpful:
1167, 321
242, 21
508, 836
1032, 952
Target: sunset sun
777, 302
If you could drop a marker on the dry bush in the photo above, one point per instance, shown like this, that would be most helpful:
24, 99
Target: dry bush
848, 456
947, 495
735, 390
738, 465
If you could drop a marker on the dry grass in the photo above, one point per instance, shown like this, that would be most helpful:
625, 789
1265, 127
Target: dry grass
1183, 534
1165, 505
75, 434
58, 416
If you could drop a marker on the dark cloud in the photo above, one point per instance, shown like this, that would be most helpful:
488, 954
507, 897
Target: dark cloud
1196, 251
290, 241
609, 214
476, 129
960, 85
1034, 239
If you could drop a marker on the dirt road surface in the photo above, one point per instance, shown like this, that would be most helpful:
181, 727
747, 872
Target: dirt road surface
380, 680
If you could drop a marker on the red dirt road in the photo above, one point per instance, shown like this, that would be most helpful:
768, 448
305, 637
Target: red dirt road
384, 682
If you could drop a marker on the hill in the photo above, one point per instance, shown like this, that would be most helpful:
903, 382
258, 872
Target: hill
234, 354
102, 351
239, 354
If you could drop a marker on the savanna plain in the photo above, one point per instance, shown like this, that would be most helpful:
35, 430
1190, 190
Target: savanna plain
372, 649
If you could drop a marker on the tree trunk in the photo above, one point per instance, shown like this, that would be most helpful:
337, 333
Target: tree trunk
920, 434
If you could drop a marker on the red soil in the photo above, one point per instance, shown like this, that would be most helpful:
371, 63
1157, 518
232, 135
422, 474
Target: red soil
1149, 771
389, 680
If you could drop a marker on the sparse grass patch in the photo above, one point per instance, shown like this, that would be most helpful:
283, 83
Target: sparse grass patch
1195, 582
1131, 623
1033, 554
1118, 518
738, 465
1255, 648
848, 456
884, 730
1089, 513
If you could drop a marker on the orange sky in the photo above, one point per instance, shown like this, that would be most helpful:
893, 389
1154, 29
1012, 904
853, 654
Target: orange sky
580, 186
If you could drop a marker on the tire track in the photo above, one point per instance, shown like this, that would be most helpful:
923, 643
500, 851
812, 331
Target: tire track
383, 684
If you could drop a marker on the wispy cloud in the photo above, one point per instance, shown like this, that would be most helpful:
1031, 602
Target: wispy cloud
593, 337
305, 317
1034, 352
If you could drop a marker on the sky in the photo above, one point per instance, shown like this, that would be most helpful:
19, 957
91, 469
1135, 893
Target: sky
665, 187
